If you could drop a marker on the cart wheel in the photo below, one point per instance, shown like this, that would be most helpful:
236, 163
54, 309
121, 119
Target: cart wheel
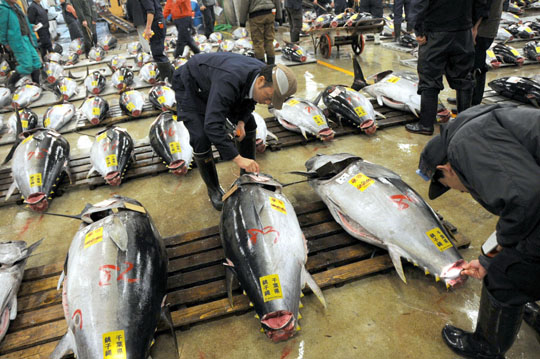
357, 44
325, 44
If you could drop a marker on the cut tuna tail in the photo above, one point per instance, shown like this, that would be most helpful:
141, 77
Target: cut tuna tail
308, 279
167, 318
359, 81
64, 346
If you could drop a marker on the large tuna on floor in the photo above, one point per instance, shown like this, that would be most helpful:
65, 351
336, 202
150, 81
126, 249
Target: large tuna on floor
132, 103
304, 117
293, 52
5, 97
114, 283
267, 251
506, 54
522, 89
108, 42
400, 221
110, 154
25, 95
122, 78
38, 162
58, 116
95, 83
95, 109
66, 87
169, 138
13, 256
162, 97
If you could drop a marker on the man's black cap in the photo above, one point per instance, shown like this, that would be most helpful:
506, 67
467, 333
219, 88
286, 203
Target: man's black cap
433, 155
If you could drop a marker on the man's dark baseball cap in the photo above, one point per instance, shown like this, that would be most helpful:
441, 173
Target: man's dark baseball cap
433, 155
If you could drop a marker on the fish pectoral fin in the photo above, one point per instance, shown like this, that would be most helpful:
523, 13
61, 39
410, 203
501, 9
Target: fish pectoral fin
308, 279
11, 189
60, 280
229, 277
92, 170
396, 260
167, 318
380, 100
303, 133
273, 136
68, 172
413, 110
379, 115
64, 346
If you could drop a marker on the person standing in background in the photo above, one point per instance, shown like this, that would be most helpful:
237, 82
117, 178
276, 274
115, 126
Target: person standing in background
294, 12
180, 10
399, 6
374, 7
87, 21
135, 14
209, 18
321, 6
37, 16
70, 17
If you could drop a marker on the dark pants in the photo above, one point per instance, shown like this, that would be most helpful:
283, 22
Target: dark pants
209, 18
262, 35
45, 43
374, 7
74, 30
157, 42
88, 39
513, 279
399, 6
295, 23
183, 26
480, 68
339, 6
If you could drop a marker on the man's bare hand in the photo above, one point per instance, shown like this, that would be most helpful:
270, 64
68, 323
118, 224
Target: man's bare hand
421, 40
147, 34
246, 164
84, 23
474, 269
203, 8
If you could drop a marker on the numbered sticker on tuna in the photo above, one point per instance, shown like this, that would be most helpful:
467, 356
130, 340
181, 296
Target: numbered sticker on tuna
35, 180
24, 124
439, 239
111, 160
102, 136
96, 112
360, 111
63, 88
361, 181
271, 287
93, 237
130, 106
318, 120
160, 99
292, 102
278, 205
514, 52
114, 345
175, 147
537, 49
152, 73
15, 97
513, 80
94, 83
47, 122
120, 78
490, 53
528, 29
393, 79
27, 139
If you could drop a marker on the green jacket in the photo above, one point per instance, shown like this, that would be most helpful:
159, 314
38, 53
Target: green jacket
10, 30
84, 10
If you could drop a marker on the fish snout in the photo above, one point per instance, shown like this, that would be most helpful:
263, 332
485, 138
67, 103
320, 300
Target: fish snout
260, 145
279, 325
519, 61
367, 124
113, 178
452, 274
136, 113
178, 167
327, 134
38, 202
94, 121
51, 79
495, 64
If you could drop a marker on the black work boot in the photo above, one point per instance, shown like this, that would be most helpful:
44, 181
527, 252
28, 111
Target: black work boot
12, 80
36, 75
166, 70
397, 32
532, 316
207, 169
496, 329
463, 99
428, 114
270, 60
247, 148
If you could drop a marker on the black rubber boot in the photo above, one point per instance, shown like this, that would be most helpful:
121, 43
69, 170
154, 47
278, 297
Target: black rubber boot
479, 84
12, 80
463, 99
207, 169
532, 316
397, 32
270, 60
496, 329
165, 70
36, 75
428, 114
247, 148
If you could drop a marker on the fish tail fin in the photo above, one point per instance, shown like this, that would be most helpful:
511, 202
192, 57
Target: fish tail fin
11, 189
380, 100
63, 347
273, 136
167, 318
359, 81
308, 279
229, 276
30, 249
396, 260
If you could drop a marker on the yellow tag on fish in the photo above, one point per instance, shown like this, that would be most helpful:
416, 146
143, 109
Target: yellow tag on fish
35, 180
96, 112
165, 88
278, 205
439, 239
299, 52
175, 147
102, 136
393, 79
93, 237
111, 160
4, 67
361, 181
120, 78
152, 73
114, 345
537, 49
360, 111
160, 99
130, 106
94, 83
24, 124
63, 88
47, 122
514, 52
28, 86
174, 117
490, 53
114, 62
528, 30
318, 120
292, 102
27, 138
48, 72
15, 97
271, 287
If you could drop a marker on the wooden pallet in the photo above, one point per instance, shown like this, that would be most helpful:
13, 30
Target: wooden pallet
196, 283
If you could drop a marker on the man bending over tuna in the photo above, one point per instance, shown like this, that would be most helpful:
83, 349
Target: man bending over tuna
493, 152
211, 88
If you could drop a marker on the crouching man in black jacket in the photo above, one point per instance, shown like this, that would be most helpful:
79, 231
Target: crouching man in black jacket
493, 152
211, 88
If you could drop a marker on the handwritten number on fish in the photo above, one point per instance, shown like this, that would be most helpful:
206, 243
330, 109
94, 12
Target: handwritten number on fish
106, 275
399, 199
112, 144
253, 232
40, 154
170, 132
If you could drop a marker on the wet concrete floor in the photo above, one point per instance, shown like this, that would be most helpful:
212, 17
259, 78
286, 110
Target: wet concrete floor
378, 316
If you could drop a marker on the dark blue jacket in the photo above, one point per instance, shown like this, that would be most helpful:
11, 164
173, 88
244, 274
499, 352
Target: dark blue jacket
216, 85
153, 7
293, 4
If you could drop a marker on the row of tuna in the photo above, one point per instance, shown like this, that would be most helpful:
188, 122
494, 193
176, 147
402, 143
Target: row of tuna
500, 53
519, 88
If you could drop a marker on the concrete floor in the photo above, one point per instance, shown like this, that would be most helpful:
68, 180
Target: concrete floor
375, 317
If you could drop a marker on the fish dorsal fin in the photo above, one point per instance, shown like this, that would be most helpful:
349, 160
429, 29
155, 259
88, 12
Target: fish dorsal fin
396, 260
64, 346
116, 231
308, 279
380, 100
379, 115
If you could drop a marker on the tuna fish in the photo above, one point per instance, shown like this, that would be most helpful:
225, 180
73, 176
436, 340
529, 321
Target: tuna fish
71, 59
25, 95
13, 256
108, 42
149, 73
406, 225
351, 106
170, 140
339, 20
323, 21
67, 88
179, 62
134, 47
521, 89
353, 20
491, 59
206, 48
77, 45
4, 68
199, 39
58, 116
227, 46
95, 109
53, 71
114, 283
267, 251
304, 117
243, 44
53, 56
117, 62
507, 54
29, 121
239, 33
142, 58
407, 40
97, 53
215, 37
132, 102
111, 153
5, 97
122, 78
509, 18
95, 83
162, 97
503, 35
293, 52
262, 133
521, 31
38, 162
532, 50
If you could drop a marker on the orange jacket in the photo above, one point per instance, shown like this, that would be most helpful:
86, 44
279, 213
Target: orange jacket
178, 9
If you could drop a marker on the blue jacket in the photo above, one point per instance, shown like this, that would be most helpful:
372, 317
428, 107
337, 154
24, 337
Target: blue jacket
217, 85
10, 33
